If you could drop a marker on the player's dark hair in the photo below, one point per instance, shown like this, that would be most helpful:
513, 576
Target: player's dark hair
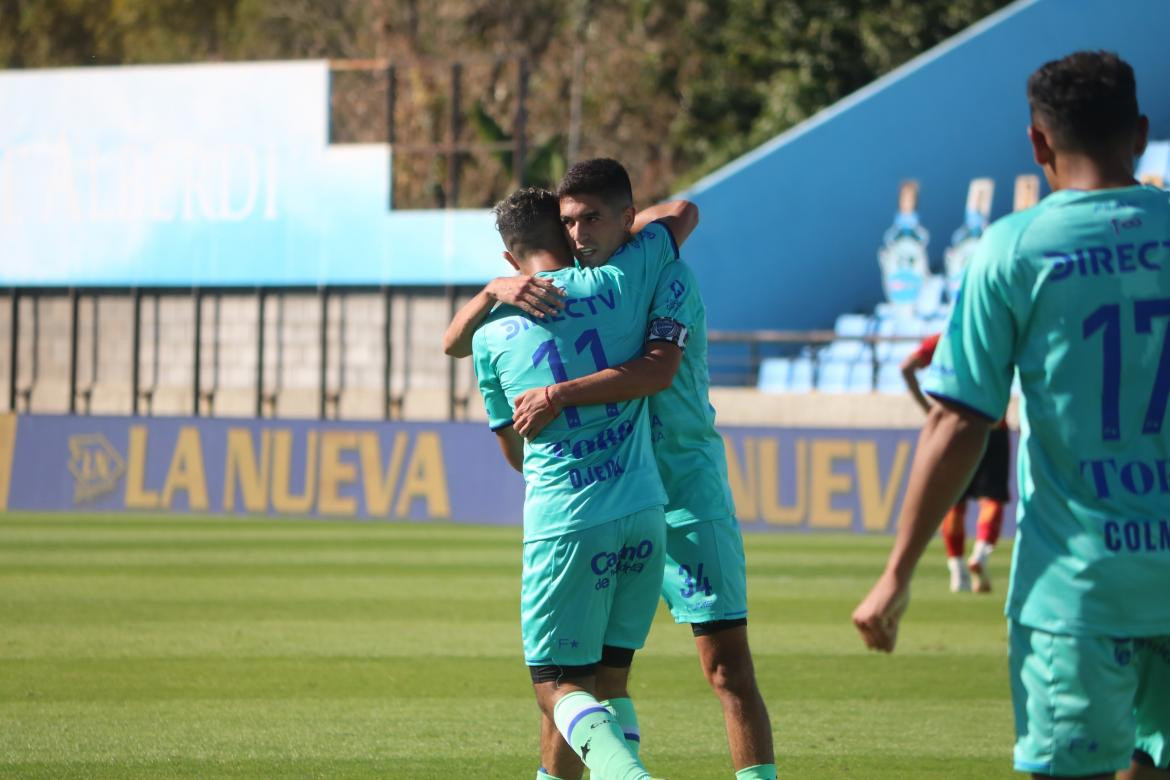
602, 177
530, 220
1088, 100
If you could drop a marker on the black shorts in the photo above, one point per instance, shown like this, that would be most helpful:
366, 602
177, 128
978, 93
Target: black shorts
991, 476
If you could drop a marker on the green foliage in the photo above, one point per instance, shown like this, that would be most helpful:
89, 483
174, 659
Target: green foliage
674, 88
544, 165
774, 63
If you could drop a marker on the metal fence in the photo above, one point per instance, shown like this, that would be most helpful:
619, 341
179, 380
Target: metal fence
355, 352
64, 345
735, 356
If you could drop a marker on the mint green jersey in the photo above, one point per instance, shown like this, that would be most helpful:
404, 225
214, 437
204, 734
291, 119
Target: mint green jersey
1074, 294
690, 452
592, 464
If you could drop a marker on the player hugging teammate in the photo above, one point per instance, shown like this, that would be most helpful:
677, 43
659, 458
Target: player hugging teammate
701, 572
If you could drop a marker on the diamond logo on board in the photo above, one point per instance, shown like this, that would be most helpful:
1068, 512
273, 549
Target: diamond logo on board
95, 465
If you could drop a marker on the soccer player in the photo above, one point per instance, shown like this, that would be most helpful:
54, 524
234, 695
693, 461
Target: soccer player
593, 519
1075, 294
989, 486
705, 578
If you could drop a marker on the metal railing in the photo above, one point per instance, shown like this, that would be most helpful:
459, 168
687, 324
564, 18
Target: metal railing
735, 356
394, 341
28, 341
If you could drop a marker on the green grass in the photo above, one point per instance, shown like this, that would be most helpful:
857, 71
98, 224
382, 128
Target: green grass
138, 646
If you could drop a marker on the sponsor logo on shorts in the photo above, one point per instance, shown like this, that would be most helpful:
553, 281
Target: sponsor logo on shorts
630, 559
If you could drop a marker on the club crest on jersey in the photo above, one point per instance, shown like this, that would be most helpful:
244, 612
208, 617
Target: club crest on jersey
666, 329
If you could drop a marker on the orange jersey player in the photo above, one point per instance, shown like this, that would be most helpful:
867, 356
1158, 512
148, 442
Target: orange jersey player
989, 485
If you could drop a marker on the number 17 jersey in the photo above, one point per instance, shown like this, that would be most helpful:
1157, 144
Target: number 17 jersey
1074, 293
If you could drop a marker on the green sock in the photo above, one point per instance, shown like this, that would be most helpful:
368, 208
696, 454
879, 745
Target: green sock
593, 733
627, 718
757, 772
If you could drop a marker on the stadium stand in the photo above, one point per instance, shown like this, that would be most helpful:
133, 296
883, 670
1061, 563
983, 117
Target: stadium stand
867, 350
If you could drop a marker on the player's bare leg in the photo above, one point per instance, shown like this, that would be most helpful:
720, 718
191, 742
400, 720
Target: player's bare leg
990, 521
955, 539
613, 691
556, 757
727, 663
588, 727
1143, 768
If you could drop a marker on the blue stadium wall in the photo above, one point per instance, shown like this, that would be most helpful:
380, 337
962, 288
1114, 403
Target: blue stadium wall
789, 232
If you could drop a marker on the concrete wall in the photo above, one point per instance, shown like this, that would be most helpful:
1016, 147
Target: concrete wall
419, 372
790, 232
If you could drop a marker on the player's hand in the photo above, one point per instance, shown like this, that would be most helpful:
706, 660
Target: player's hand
533, 412
878, 614
537, 295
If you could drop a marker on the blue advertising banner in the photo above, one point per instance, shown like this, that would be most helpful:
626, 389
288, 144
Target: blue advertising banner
216, 174
782, 480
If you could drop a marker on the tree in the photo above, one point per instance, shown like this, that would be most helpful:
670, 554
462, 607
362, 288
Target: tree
673, 88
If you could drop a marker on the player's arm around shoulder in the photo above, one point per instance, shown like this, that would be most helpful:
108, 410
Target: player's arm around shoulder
680, 217
535, 295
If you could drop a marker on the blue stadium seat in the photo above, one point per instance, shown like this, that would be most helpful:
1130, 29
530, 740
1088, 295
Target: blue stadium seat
801, 378
899, 351
861, 377
850, 329
910, 326
774, 375
833, 377
914, 329
845, 352
852, 325
889, 379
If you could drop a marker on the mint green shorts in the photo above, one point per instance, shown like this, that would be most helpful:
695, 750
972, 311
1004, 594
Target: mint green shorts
706, 574
1083, 704
591, 588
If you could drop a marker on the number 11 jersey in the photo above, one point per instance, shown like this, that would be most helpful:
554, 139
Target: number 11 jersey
592, 464
1074, 294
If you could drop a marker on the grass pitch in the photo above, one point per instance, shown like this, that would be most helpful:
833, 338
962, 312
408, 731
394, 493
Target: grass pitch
139, 646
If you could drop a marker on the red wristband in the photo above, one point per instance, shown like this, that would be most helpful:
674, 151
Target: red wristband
548, 398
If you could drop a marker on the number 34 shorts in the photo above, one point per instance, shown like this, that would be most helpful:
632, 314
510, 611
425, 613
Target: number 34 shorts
706, 573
